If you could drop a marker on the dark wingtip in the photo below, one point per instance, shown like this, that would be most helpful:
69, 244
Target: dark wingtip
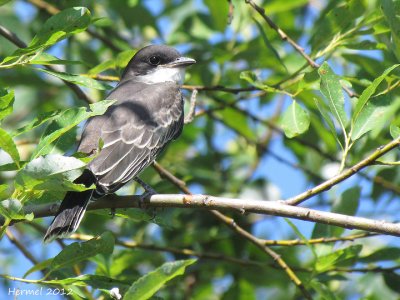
54, 233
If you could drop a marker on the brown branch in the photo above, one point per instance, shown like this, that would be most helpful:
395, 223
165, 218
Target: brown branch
282, 34
21, 247
265, 207
178, 251
12, 37
322, 240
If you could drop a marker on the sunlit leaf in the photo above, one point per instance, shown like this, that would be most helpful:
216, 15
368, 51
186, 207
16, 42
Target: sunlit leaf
77, 252
295, 120
7, 144
391, 11
60, 26
78, 79
52, 172
6, 103
374, 114
150, 283
332, 90
341, 257
364, 100
65, 122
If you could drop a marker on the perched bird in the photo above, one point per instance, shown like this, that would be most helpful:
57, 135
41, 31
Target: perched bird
147, 115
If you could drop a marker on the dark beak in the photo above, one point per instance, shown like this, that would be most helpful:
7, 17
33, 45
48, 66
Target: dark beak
180, 62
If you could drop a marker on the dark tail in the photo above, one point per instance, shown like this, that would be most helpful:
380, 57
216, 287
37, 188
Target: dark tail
71, 210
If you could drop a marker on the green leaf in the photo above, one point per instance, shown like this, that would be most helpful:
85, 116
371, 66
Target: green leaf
269, 45
120, 61
394, 131
323, 291
150, 283
6, 103
2, 2
53, 172
392, 281
374, 115
9, 167
8, 145
275, 7
95, 281
39, 267
323, 109
295, 120
347, 204
384, 254
48, 59
341, 257
39, 120
301, 236
217, 10
237, 121
391, 10
65, 122
340, 17
368, 92
78, 79
58, 27
77, 252
12, 209
332, 90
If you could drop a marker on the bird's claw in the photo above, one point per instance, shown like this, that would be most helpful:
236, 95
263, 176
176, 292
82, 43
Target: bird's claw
112, 212
148, 192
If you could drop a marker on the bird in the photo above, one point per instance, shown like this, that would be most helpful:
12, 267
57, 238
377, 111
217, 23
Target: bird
128, 137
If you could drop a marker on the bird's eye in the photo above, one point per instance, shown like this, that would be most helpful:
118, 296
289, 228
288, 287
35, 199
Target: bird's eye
155, 60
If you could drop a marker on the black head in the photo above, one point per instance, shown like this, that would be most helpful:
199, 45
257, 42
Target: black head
151, 58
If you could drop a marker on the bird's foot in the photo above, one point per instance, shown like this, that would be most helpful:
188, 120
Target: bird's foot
148, 192
112, 212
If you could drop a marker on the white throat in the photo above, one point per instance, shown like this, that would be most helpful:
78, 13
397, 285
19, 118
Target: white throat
162, 74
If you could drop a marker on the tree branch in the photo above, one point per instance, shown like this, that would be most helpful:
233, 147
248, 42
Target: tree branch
344, 175
275, 208
282, 34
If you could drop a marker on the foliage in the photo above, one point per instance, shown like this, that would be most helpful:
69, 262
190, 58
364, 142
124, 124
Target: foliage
268, 122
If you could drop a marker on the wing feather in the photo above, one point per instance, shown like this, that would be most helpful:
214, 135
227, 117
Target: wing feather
134, 131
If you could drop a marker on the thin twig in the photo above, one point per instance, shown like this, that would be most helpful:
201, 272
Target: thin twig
323, 240
21, 247
178, 251
282, 34
345, 174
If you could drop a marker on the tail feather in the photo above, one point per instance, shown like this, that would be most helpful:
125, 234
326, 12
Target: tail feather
71, 211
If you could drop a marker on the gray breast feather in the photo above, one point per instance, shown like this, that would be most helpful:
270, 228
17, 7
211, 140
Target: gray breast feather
133, 131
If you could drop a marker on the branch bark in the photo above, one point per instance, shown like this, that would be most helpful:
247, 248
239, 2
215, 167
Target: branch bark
276, 208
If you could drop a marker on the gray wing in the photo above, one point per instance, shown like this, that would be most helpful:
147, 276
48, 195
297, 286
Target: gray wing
133, 132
